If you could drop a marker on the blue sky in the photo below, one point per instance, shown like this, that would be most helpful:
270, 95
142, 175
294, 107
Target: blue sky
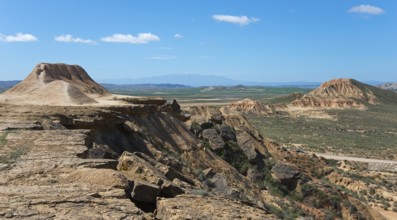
254, 40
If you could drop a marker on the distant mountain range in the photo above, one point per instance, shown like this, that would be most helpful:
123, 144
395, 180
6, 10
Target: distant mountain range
143, 86
175, 81
4, 85
389, 86
194, 80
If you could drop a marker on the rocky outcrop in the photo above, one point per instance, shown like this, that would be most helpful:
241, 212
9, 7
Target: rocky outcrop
150, 178
249, 106
316, 102
51, 180
145, 192
215, 140
199, 207
286, 174
226, 132
254, 107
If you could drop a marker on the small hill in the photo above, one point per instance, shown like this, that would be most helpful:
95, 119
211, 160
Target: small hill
345, 93
255, 107
248, 106
389, 86
55, 84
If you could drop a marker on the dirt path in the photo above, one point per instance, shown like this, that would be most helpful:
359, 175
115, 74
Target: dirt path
358, 159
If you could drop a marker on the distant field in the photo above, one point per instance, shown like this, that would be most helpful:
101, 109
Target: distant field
371, 133
214, 95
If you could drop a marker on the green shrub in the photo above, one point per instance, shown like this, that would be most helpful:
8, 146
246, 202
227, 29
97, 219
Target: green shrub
233, 154
3, 138
200, 192
386, 205
195, 128
12, 156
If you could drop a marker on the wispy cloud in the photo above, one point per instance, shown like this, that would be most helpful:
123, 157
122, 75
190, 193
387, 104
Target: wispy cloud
19, 37
366, 9
178, 36
241, 20
70, 39
163, 57
141, 38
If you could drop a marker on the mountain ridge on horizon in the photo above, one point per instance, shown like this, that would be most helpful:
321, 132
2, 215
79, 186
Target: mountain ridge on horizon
197, 80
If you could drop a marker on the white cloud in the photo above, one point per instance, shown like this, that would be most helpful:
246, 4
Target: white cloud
178, 36
141, 38
241, 20
19, 37
163, 57
70, 39
366, 9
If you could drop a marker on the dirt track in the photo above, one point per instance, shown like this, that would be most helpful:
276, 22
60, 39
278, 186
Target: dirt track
358, 159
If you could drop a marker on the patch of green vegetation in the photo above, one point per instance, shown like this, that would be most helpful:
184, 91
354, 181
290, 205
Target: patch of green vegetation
370, 133
3, 138
13, 155
233, 154
286, 98
200, 192
213, 94
286, 212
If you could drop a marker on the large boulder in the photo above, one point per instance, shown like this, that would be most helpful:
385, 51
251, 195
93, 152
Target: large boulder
170, 190
286, 174
214, 139
226, 132
222, 187
145, 192
248, 144
148, 174
254, 174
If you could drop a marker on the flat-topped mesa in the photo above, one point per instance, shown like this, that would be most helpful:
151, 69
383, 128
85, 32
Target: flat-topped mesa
46, 73
56, 84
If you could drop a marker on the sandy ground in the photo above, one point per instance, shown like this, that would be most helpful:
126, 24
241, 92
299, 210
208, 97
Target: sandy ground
390, 215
